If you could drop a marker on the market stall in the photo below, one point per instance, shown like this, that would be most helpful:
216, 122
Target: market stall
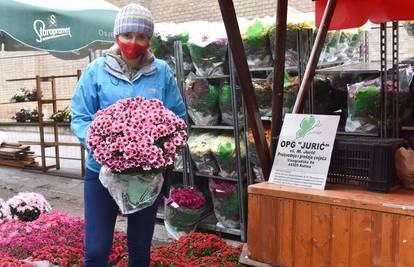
222, 158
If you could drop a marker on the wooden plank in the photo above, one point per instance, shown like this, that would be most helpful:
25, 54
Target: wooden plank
13, 157
17, 164
278, 220
254, 227
269, 237
286, 233
383, 239
9, 150
44, 78
52, 143
302, 233
405, 242
321, 235
399, 201
10, 144
341, 222
361, 234
25, 159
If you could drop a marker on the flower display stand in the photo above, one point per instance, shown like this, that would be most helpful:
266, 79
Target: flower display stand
42, 124
338, 227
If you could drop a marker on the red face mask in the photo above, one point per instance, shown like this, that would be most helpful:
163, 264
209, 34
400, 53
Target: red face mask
131, 50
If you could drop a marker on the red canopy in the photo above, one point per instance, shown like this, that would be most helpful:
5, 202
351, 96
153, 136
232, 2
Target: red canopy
355, 13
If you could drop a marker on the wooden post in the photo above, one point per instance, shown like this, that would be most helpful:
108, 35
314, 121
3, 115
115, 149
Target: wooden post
41, 126
55, 127
233, 34
83, 169
78, 74
314, 57
279, 69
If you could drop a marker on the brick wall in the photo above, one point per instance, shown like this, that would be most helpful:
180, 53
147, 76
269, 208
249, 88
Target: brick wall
18, 66
406, 44
188, 10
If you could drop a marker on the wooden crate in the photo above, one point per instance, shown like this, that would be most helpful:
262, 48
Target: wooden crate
338, 227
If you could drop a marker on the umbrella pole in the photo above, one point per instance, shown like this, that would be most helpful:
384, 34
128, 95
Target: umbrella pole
315, 54
92, 55
233, 32
279, 69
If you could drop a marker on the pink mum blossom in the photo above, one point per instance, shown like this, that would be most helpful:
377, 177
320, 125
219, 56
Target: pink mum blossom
136, 133
5, 213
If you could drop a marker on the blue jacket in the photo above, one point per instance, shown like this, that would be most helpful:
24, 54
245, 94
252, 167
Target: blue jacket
103, 83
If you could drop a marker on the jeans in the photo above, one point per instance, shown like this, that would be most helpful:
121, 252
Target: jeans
100, 216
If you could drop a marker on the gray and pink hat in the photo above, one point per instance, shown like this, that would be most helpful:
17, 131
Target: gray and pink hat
134, 18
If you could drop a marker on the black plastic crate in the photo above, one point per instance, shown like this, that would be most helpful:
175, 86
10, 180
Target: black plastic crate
366, 162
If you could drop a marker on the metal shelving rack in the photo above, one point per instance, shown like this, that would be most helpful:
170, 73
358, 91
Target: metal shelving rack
304, 41
239, 129
208, 222
383, 69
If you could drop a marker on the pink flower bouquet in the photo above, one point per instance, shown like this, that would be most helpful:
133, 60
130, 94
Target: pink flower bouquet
135, 140
183, 210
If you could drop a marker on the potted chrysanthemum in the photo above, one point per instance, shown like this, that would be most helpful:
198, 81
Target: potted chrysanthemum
225, 198
183, 210
27, 206
135, 139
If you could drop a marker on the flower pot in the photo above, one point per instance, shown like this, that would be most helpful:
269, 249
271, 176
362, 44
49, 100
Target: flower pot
20, 119
183, 211
180, 221
131, 191
226, 202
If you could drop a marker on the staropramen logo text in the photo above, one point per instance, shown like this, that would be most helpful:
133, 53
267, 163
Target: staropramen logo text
51, 31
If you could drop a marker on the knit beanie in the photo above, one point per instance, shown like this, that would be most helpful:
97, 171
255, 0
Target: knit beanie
134, 18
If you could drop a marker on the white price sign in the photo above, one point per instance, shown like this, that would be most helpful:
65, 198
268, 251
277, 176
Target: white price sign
304, 150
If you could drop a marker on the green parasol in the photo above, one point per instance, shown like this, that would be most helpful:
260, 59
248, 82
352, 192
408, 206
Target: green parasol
66, 29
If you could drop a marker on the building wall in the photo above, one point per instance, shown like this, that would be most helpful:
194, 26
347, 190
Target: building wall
188, 10
406, 44
17, 66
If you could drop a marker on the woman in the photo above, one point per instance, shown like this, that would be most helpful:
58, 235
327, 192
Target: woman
128, 70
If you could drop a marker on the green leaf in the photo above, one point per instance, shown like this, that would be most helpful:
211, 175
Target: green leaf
305, 126
366, 98
226, 93
225, 151
212, 102
286, 82
254, 33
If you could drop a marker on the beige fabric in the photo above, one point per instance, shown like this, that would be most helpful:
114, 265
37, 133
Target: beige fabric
404, 164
